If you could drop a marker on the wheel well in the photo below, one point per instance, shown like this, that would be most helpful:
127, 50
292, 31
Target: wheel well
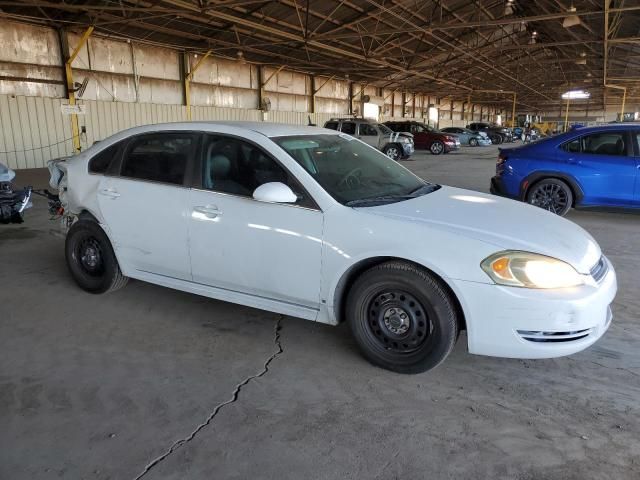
350, 276
574, 191
87, 215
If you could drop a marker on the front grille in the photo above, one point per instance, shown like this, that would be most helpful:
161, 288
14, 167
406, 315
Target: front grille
600, 269
546, 337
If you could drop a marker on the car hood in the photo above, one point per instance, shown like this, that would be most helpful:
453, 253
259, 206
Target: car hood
507, 224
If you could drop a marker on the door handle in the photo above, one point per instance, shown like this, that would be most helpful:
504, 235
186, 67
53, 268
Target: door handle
208, 211
109, 192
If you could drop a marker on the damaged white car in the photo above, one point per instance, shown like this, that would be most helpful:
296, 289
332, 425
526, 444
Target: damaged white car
13, 202
313, 223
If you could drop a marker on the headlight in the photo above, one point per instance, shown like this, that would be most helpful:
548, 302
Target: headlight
530, 270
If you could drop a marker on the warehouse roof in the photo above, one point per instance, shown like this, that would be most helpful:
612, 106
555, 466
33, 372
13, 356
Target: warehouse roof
455, 48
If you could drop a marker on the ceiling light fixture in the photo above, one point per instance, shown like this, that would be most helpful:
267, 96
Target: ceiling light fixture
571, 20
576, 95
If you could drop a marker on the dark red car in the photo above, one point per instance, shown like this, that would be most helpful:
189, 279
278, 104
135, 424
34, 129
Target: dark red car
426, 137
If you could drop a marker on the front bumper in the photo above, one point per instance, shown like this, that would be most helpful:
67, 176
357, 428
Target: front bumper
408, 149
528, 323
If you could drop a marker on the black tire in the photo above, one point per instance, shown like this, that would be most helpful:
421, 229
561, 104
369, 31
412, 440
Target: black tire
414, 343
496, 139
393, 151
473, 142
437, 148
551, 194
91, 260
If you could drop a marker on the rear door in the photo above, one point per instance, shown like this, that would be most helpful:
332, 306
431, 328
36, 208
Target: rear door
605, 166
145, 207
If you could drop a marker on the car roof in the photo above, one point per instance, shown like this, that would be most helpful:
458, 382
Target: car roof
265, 128
608, 126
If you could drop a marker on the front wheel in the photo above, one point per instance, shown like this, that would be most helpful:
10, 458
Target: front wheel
496, 139
402, 318
473, 142
91, 260
393, 152
437, 147
551, 194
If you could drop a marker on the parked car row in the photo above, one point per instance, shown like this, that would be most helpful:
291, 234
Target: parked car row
398, 139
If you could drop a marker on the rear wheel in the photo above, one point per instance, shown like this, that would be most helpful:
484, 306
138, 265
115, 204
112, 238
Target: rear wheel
402, 318
91, 260
496, 139
551, 194
393, 152
473, 142
437, 147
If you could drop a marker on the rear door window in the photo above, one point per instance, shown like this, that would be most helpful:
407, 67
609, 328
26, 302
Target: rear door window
349, 128
605, 143
159, 157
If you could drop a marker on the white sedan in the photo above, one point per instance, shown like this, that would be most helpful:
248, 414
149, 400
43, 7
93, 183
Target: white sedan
315, 224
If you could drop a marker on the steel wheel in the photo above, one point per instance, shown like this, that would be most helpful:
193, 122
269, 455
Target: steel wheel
552, 195
88, 254
473, 142
398, 322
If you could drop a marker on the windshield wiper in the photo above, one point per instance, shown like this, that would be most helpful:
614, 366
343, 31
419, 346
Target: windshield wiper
378, 199
424, 189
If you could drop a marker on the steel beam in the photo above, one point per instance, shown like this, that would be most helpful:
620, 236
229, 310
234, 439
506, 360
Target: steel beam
75, 129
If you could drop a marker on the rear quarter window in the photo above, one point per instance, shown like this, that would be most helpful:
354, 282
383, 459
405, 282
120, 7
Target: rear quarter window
101, 162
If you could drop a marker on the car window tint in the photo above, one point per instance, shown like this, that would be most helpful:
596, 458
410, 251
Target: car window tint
637, 135
572, 147
604, 143
100, 163
231, 165
367, 130
415, 128
349, 128
159, 157
331, 125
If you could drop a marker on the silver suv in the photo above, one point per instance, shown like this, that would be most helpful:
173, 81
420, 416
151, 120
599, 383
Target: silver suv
395, 145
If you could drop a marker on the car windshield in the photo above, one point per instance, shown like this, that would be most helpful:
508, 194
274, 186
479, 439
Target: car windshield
352, 172
383, 128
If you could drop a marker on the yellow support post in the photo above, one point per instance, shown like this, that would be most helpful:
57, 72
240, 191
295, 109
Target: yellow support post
624, 99
75, 129
187, 83
513, 112
566, 115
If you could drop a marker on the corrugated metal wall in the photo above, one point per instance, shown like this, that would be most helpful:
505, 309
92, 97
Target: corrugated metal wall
33, 129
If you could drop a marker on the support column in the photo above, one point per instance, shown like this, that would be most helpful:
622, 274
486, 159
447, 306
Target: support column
75, 129
350, 98
313, 94
187, 82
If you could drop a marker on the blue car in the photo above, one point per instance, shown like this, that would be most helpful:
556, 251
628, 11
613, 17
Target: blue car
585, 167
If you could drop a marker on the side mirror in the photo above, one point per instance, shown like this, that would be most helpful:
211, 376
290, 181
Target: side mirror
274, 192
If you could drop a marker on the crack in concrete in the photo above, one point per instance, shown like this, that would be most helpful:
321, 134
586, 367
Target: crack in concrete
234, 397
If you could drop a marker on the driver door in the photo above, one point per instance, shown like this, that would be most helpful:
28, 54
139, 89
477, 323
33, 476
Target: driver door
270, 251
369, 135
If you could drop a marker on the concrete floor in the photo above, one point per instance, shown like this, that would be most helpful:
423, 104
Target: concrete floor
99, 387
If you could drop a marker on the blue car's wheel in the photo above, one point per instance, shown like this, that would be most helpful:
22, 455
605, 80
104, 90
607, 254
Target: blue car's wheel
551, 194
